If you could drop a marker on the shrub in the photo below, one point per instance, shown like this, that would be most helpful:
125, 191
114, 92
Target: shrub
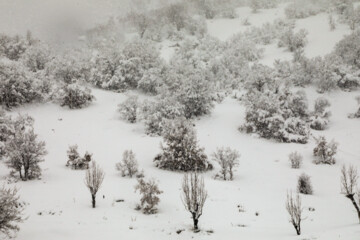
303, 9
6, 130
349, 49
304, 184
293, 41
36, 57
325, 151
149, 191
74, 159
228, 159
129, 165
75, 96
295, 159
357, 114
128, 109
11, 212
23, 151
181, 152
320, 117
12, 47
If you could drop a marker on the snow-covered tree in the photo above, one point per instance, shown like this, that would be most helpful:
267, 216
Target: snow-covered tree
11, 212
149, 191
304, 184
13, 47
325, 151
349, 178
17, 85
349, 49
74, 96
295, 210
23, 150
128, 166
181, 151
6, 130
357, 113
36, 57
194, 196
93, 180
228, 159
293, 41
129, 109
295, 159
320, 117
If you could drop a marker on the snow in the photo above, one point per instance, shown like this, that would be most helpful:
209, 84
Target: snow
261, 181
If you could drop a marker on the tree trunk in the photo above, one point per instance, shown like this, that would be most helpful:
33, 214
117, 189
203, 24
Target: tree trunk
351, 197
196, 221
93, 196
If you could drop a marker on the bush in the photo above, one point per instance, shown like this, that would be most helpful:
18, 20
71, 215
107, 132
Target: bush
304, 9
293, 41
325, 151
75, 96
149, 191
17, 85
74, 159
181, 152
13, 47
6, 130
11, 212
295, 159
304, 184
228, 159
357, 114
129, 165
23, 151
349, 49
320, 117
128, 109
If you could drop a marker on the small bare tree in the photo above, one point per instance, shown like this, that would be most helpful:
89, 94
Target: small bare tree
93, 180
128, 166
294, 208
194, 196
11, 210
228, 159
349, 177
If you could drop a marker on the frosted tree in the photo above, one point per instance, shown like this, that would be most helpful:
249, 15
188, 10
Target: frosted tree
304, 184
228, 159
141, 22
128, 166
149, 191
349, 178
357, 113
129, 108
75, 96
93, 180
181, 152
11, 212
325, 151
194, 196
6, 130
320, 117
23, 150
294, 208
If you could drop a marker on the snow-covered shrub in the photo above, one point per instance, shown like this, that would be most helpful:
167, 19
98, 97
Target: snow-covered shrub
152, 80
194, 196
181, 151
23, 150
74, 96
141, 21
74, 159
128, 109
295, 159
13, 47
228, 159
325, 151
11, 212
295, 209
6, 130
304, 184
320, 117
93, 180
279, 115
17, 85
240, 47
128, 166
176, 14
293, 41
196, 27
304, 8
349, 49
357, 113
255, 5
36, 57
260, 78
149, 191
157, 113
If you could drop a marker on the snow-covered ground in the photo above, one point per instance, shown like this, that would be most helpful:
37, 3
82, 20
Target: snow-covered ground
59, 204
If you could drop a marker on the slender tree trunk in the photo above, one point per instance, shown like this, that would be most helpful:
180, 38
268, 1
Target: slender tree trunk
93, 196
196, 221
21, 176
351, 197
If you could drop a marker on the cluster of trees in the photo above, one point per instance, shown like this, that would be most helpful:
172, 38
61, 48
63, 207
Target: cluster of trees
74, 159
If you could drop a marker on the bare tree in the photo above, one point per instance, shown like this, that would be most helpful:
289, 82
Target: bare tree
93, 180
294, 208
194, 196
10, 212
228, 159
349, 177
